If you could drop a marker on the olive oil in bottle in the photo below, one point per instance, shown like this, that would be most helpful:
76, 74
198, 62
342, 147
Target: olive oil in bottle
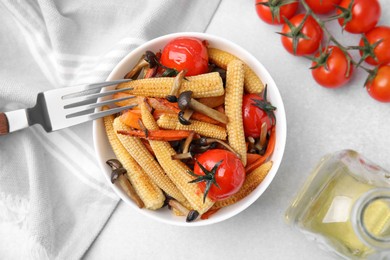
345, 206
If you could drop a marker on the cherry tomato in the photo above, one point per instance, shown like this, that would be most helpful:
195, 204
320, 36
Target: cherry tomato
276, 10
310, 29
186, 53
229, 175
253, 116
335, 70
379, 86
322, 6
382, 50
363, 17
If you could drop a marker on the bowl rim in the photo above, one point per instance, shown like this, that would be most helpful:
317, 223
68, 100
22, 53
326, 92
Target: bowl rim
281, 128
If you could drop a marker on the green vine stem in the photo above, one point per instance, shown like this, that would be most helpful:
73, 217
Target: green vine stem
331, 38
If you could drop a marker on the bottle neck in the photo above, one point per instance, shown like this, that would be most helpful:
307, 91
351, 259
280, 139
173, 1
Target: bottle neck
371, 218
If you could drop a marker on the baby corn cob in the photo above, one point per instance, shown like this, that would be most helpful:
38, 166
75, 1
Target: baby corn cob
221, 58
149, 193
233, 107
170, 121
205, 85
252, 180
139, 152
175, 169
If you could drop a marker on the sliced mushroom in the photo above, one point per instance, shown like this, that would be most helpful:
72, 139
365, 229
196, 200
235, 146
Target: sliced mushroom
187, 142
114, 163
263, 134
185, 101
195, 149
192, 215
134, 72
175, 204
186, 154
207, 141
184, 116
260, 144
172, 96
251, 144
118, 175
152, 59
181, 156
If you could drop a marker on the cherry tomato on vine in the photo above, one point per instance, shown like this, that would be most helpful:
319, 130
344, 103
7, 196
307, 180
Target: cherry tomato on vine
186, 53
362, 17
382, 49
256, 111
379, 86
224, 170
322, 6
273, 11
301, 41
332, 69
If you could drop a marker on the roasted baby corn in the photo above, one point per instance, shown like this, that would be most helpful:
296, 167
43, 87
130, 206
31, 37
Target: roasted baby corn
252, 180
204, 85
233, 107
170, 121
147, 190
253, 84
175, 169
139, 152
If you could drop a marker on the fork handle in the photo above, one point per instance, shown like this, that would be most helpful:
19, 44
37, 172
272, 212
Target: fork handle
4, 126
13, 121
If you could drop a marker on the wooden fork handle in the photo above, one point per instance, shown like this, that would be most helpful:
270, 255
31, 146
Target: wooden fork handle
4, 125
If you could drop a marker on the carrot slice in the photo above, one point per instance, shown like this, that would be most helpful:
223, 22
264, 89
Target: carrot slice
252, 158
158, 105
172, 106
159, 135
131, 118
262, 158
208, 213
148, 146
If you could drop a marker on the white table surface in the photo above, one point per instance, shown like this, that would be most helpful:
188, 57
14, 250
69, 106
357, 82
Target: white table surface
319, 120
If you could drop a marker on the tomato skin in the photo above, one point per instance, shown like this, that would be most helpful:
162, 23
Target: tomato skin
265, 14
382, 50
253, 117
310, 29
365, 15
322, 7
379, 87
186, 53
230, 174
336, 74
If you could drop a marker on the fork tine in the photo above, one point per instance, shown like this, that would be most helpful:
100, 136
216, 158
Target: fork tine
73, 111
96, 115
78, 90
69, 102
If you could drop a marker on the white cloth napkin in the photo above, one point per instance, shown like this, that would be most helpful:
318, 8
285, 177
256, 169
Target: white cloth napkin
53, 197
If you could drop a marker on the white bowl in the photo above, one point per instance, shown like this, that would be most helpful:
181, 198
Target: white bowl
104, 151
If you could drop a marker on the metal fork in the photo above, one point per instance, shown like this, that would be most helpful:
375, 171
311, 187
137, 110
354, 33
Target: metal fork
60, 108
